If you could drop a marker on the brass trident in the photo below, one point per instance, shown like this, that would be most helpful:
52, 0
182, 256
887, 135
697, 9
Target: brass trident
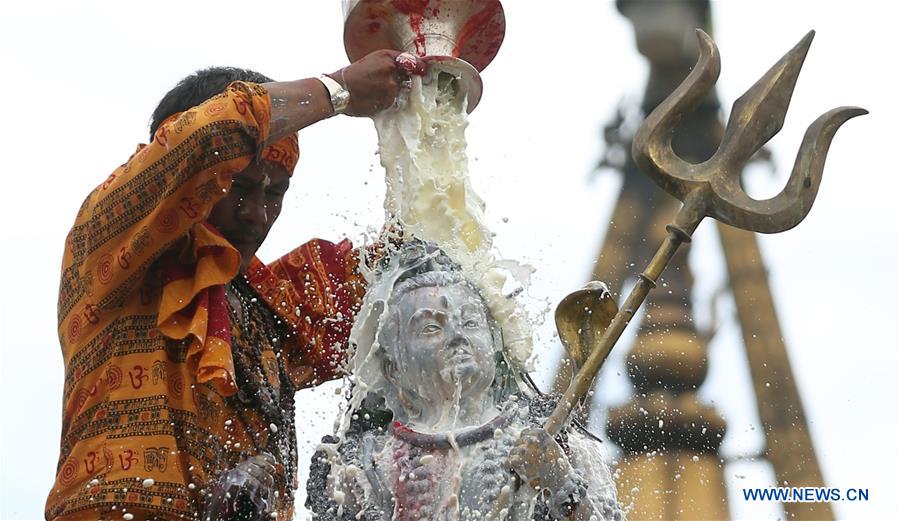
712, 188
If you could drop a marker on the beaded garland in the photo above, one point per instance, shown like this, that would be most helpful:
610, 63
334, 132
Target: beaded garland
262, 382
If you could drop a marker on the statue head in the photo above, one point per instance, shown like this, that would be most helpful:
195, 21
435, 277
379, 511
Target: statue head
437, 341
426, 340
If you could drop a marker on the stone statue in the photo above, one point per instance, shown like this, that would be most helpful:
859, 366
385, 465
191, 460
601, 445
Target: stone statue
446, 428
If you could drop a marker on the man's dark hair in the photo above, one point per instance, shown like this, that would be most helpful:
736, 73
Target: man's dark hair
199, 87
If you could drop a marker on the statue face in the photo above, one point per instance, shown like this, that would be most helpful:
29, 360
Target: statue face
444, 342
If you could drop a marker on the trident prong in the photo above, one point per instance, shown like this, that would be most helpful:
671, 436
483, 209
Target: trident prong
712, 188
756, 117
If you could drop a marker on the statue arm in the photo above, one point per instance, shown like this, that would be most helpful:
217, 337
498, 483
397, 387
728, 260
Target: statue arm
339, 479
320, 487
587, 462
575, 483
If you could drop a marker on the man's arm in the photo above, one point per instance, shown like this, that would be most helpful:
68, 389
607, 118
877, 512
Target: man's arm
317, 290
373, 83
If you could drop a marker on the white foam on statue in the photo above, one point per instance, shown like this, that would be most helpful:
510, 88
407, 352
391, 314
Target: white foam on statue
422, 148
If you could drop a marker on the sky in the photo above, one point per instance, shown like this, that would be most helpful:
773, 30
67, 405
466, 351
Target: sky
80, 80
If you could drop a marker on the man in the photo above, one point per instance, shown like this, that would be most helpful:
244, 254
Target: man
460, 418
182, 350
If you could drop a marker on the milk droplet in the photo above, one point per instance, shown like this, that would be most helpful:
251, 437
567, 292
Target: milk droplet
128, 517
191, 486
272, 427
661, 423
426, 459
149, 482
497, 434
695, 458
227, 423
94, 482
339, 497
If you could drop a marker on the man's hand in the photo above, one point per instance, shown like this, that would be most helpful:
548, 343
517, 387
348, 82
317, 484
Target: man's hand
375, 80
246, 492
373, 83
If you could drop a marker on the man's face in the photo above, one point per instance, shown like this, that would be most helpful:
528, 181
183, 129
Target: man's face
445, 341
247, 213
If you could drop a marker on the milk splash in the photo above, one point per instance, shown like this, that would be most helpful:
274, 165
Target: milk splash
429, 196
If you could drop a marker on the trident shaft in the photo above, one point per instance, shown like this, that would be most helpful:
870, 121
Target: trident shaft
712, 188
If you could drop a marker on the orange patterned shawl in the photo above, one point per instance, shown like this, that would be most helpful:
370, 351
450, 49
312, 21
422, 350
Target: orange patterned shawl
144, 329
